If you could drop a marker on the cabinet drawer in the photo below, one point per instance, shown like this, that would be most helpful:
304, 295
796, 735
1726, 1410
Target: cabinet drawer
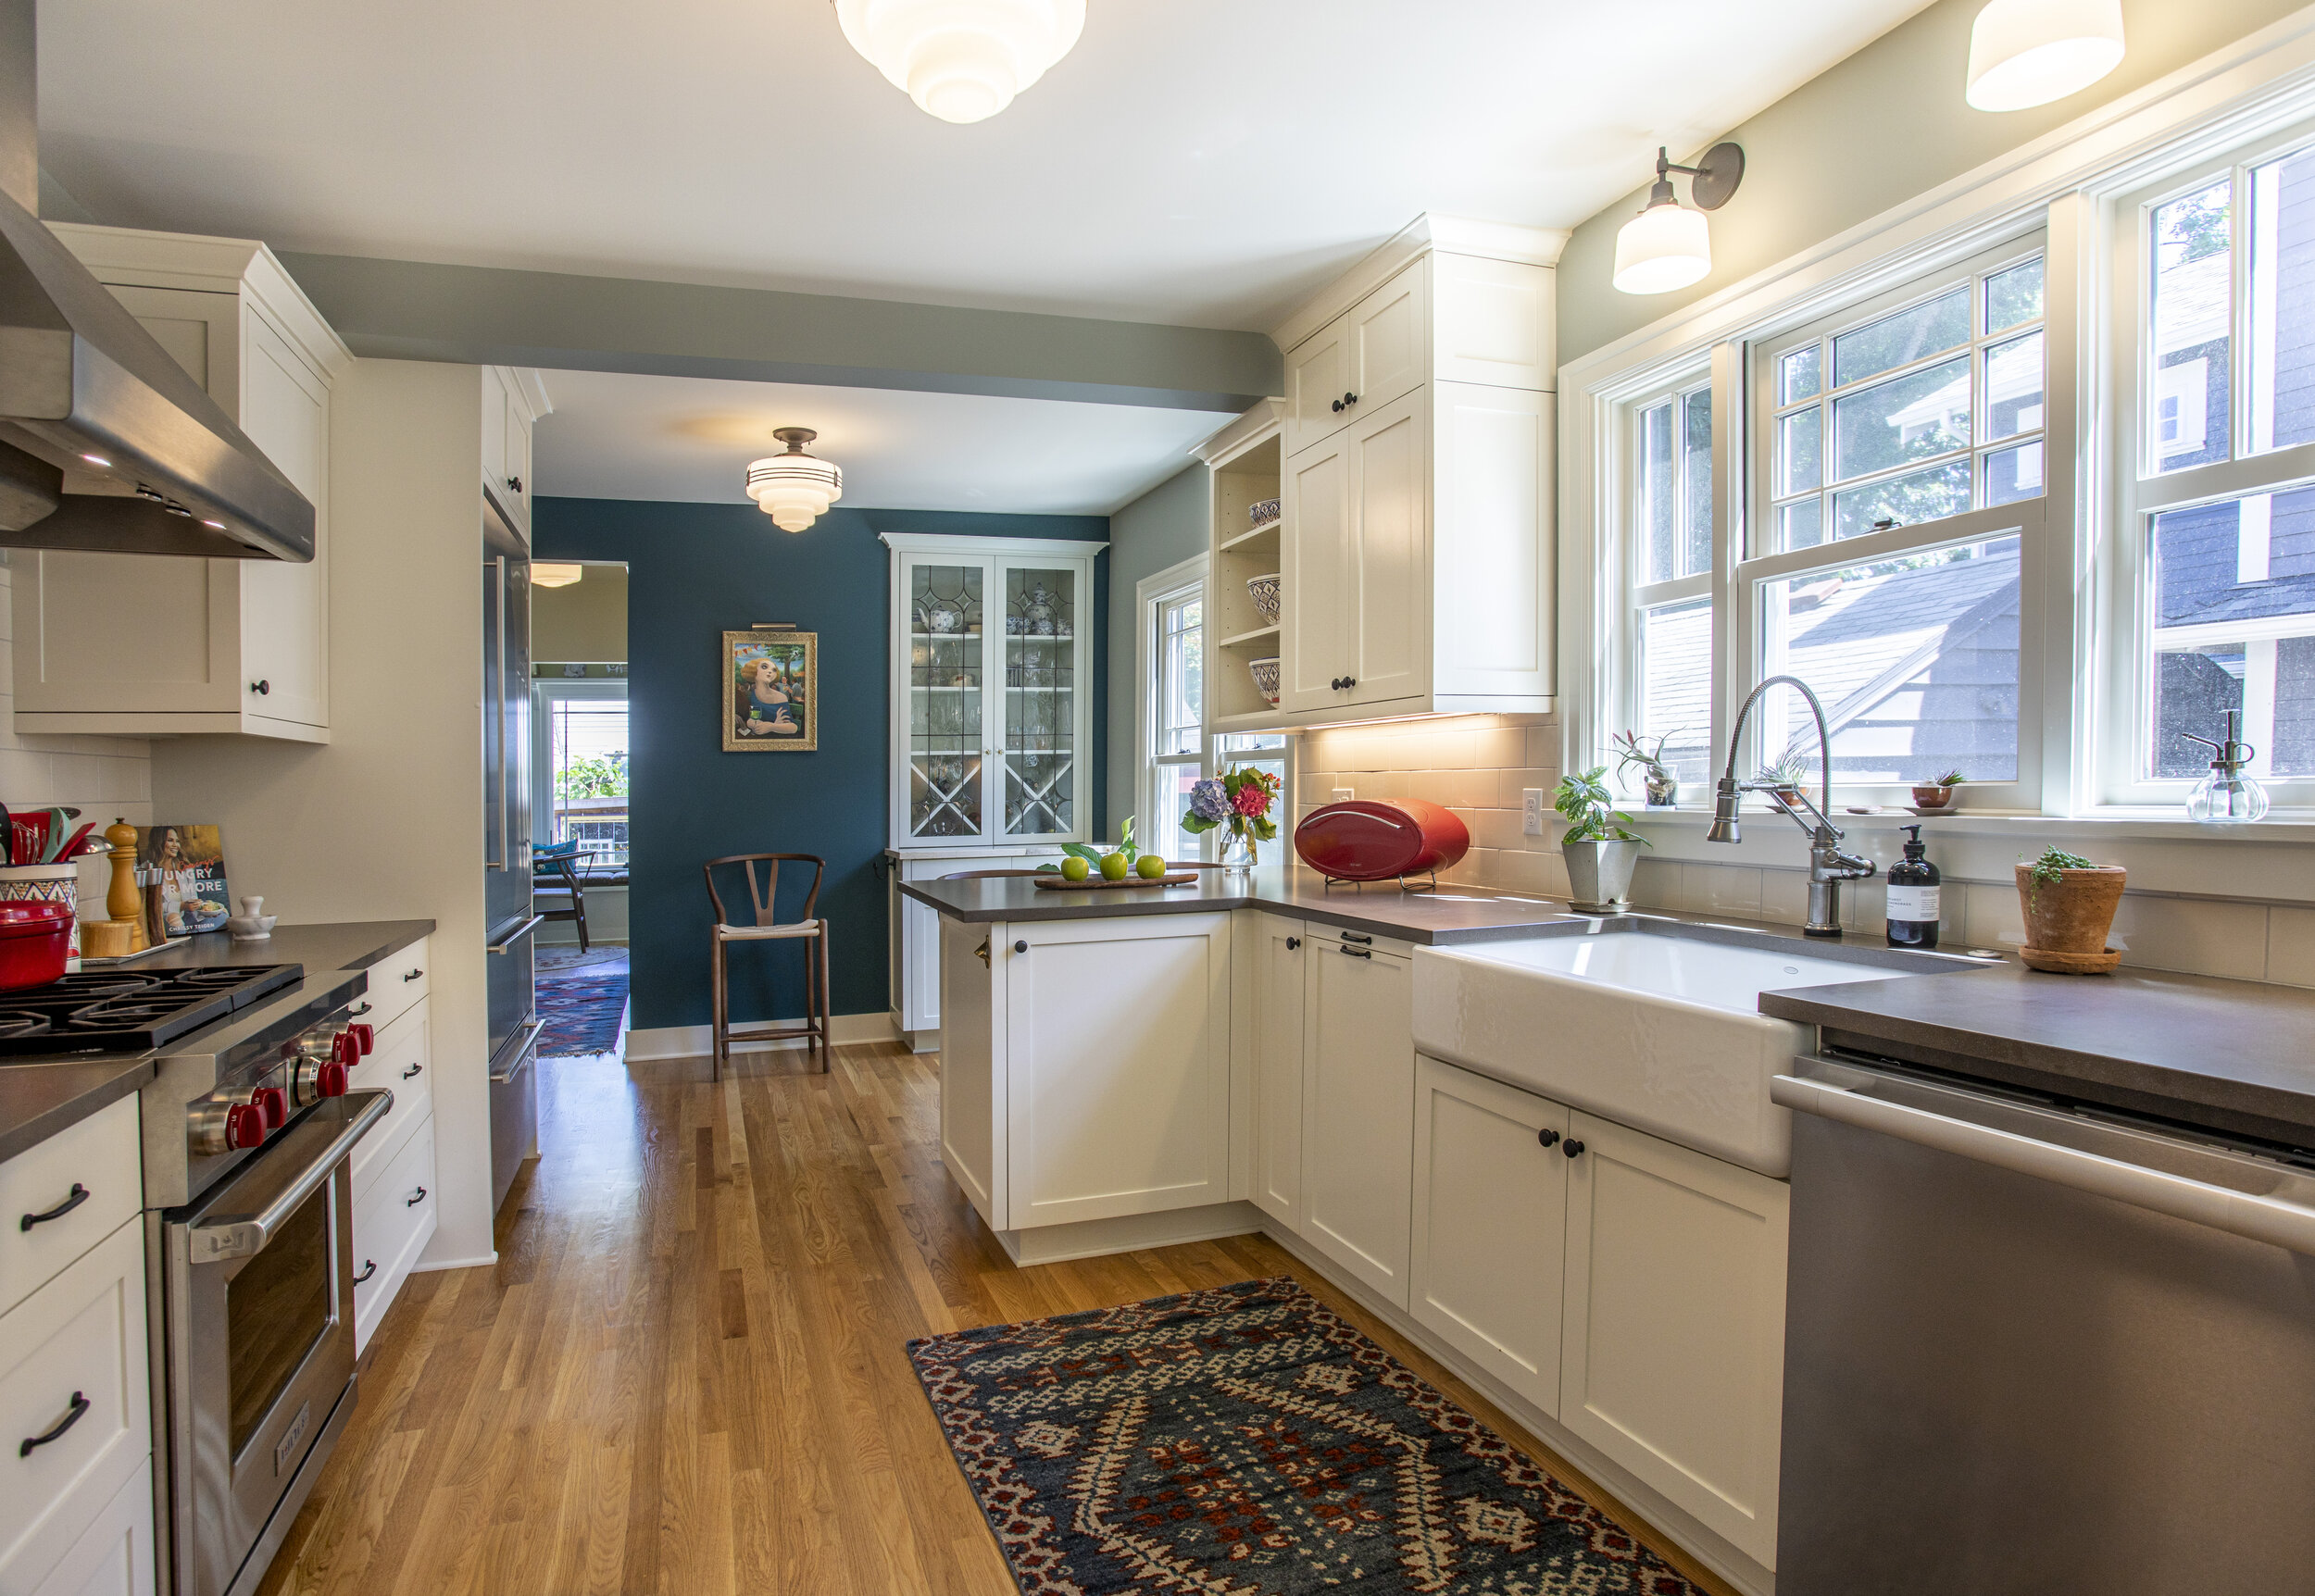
402, 1063
115, 1556
396, 982
99, 1155
392, 1225
84, 1333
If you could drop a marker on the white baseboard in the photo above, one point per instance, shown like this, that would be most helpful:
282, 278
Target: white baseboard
1098, 1238
428, 1266
699, 1041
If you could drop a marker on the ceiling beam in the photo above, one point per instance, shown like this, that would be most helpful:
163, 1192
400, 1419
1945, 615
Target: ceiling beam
411, 310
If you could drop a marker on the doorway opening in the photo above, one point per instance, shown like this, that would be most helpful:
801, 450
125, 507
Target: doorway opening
581, 735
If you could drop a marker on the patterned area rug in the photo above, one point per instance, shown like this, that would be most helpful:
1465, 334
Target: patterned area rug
581, 1005
1246, 1440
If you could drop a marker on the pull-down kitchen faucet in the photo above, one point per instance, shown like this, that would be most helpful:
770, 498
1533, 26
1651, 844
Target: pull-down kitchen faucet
1828, 865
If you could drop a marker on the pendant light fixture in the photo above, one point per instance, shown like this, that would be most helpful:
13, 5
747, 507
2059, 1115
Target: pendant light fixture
962, 60
543, 575
1666, 248
2027, 52
794, 488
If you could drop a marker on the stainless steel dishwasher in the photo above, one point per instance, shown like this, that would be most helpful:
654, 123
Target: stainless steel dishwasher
2036, 1347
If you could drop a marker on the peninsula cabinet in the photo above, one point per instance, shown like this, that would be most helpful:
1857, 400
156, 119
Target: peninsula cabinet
141, 644
1631, 1289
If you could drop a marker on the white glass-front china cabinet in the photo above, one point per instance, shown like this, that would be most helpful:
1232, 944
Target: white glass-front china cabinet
991, 726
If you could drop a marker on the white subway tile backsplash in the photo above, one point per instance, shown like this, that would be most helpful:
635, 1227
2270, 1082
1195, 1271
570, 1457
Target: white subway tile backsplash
2201, 936
2291, 945
1732, 890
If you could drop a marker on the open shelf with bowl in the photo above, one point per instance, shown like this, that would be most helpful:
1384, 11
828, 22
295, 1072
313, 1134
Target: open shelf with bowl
1244, 593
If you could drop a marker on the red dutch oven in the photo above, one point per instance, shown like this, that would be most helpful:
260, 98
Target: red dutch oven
34, 940
1379, 840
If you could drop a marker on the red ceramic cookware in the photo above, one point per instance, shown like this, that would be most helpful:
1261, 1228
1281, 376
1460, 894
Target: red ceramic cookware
1377, 840
35, 938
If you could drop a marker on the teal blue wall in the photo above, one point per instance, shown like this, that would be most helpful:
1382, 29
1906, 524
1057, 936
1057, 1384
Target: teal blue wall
694, 572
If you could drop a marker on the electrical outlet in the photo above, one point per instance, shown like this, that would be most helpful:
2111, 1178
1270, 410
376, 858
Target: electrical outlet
1531, 811
1345, 794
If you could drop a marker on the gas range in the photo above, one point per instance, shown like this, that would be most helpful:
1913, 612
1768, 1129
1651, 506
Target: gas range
127, 1011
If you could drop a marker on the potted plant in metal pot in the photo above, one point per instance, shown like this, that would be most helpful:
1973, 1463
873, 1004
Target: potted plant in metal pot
1599, 847
2070, 904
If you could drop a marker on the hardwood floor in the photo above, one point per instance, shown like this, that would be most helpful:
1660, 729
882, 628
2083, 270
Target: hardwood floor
685, 1375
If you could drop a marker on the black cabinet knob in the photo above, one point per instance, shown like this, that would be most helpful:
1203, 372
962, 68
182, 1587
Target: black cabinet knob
1349, 682
1338, 406
1293, 943
1572, 1149
514, 484
1348, 400
1546, 1137
1020, 947
261, 688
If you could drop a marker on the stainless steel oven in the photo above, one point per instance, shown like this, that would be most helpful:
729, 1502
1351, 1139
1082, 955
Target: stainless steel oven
257, 1290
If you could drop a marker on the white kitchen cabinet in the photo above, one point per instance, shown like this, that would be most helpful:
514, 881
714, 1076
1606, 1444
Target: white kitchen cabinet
1278, 971
1371, 354
993, 688
396, 1161
1359, 1104
512, 402
1117, 1065
1490, 1226
115, 1555
1672, 1338
914, 930
972, 1068
141, 644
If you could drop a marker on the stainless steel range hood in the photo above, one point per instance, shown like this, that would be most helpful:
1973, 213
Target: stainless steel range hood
106, 443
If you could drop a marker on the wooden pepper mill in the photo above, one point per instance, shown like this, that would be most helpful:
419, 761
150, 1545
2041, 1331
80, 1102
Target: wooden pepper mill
123, 903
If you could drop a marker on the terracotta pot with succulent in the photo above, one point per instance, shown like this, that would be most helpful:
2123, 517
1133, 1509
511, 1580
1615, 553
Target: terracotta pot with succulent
1937, 794
1599, 851
2070, 904
1656, 776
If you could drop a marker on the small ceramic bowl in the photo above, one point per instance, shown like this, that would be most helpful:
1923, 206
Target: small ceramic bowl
1265, 677
1261, 511
1265, 594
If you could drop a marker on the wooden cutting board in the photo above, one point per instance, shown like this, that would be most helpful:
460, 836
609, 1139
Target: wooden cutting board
1054, 883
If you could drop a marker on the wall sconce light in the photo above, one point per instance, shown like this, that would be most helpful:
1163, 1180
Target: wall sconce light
543, 575
794, 488
1665, 247
2027, 52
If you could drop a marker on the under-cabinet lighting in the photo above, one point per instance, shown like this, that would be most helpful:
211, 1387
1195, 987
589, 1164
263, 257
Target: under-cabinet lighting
1666, 246
2026, 53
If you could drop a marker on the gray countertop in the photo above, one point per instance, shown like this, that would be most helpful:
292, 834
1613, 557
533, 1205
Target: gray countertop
2234, 1057
39, 1097
1437, 918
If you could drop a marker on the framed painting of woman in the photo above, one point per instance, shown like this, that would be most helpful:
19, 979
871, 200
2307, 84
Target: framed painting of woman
770, 691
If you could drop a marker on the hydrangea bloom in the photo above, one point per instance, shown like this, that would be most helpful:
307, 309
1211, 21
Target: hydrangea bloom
1208, 801
1253, 800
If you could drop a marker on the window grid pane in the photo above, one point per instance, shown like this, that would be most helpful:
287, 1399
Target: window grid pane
2233, 611
1672, 508
2193, 313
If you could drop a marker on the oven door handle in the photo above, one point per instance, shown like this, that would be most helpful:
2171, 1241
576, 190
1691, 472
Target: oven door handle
507, 942
244, 1235
521, 1053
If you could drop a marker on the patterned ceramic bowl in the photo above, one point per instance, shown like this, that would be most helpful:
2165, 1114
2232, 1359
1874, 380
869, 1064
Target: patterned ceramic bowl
1265, 677
1264, 591
1261, 510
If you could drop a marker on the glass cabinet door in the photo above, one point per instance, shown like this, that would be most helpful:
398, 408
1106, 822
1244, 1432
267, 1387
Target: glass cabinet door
946, 700
1042, 683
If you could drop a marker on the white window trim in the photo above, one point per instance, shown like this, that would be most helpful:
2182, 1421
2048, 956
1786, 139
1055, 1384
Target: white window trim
1149, 596
2258, 84
546, 692
1617, 671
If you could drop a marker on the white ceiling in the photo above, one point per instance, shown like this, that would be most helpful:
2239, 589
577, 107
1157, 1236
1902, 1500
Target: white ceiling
1202, 162
613, 436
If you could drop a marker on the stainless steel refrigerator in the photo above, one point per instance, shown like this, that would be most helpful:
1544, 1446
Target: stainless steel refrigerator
514, 1025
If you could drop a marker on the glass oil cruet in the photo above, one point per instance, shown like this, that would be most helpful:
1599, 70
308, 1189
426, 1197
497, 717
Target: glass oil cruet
2226, 797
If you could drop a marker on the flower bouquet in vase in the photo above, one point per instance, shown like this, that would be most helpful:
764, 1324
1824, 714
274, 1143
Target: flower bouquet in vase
1241, 800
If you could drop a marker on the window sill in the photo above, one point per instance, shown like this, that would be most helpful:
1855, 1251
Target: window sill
2165, 823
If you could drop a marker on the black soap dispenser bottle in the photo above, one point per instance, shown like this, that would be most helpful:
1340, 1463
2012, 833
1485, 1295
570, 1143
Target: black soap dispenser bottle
1913, 906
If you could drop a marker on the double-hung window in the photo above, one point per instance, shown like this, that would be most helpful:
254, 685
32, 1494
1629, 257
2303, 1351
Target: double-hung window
1669, 554
1895, 540
2213, 569
1176, 750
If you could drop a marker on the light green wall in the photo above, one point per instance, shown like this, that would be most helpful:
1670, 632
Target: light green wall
585, 622
1884, 125
1164, 527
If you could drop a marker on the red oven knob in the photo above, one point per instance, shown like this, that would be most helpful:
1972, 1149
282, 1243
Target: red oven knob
273, 1103
366, 1035
345, 1048
330, 1079
244, 1126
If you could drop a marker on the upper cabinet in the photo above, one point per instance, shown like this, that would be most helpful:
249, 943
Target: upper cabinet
1411, 457
513, 400
141, 643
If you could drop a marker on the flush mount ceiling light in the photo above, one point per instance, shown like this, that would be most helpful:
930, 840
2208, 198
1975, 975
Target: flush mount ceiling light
2030, 51
794, 488
962, 60
1665, 247
554, 576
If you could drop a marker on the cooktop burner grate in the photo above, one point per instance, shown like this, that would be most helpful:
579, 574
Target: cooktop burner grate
126, 1011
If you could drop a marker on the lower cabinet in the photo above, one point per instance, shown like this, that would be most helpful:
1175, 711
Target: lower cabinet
393, 1165
1276, 967
1359, 1099
117, 1554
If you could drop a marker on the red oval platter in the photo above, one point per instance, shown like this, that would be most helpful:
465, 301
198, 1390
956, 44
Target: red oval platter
1376, 839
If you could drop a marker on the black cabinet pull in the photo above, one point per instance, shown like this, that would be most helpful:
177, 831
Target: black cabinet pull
1293, 943
370, 1268
414, 1202
413, 1072
80, 1407
1354, 936
412, 975
77, 1195
1546, 1137
261, 688
1359, 953
1020, 947
360, 1009
1573, 1149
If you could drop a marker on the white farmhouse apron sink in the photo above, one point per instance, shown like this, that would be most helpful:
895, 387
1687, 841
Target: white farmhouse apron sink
1652, 1023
